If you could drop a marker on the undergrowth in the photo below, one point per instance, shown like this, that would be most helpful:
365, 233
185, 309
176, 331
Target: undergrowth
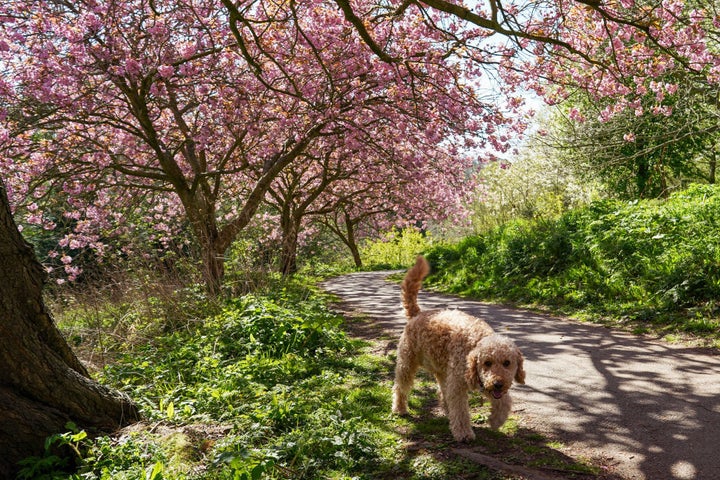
655, 265
262, 386
396, 250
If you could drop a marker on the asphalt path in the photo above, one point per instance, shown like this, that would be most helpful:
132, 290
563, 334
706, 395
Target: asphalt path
649, 408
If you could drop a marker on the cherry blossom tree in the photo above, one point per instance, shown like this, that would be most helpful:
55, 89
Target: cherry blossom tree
369, 205
412, 180
199, 107
616, 49
294, 196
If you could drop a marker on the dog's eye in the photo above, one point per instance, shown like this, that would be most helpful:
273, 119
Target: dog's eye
506, 363
488, 363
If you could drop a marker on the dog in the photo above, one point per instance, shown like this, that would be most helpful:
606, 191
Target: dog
461, 351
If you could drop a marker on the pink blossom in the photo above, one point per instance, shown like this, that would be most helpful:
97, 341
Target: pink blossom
132, 67
166, 71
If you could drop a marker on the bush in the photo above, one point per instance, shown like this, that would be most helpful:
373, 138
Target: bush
397, 250
609, 258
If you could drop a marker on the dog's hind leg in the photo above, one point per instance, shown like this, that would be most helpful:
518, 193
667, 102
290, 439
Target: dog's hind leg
442, 392
400, 391
405, 371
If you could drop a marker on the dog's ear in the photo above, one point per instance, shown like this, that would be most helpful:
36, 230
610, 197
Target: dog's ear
520, 373
471, 374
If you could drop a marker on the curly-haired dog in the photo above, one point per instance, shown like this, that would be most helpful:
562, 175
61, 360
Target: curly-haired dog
464, 354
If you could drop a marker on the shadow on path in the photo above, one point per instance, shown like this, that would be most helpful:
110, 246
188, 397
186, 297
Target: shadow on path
653, 407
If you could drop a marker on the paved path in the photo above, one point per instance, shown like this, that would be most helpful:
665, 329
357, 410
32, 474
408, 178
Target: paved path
651, 407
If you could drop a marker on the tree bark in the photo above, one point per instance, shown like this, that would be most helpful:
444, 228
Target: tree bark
345, 231
43, 385
351, 242
288, 257
713, 165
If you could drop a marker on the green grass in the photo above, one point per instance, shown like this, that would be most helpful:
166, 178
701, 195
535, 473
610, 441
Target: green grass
650, 266
265, 386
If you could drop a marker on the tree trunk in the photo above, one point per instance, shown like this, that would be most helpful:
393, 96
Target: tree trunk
345, 231
288, 256
642, 177
713, 165
42, 383
351, 242
213, 268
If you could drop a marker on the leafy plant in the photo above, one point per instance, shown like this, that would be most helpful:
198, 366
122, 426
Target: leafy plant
53, 463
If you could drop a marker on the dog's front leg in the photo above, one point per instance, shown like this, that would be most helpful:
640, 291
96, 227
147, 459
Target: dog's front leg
456, 399
499, 411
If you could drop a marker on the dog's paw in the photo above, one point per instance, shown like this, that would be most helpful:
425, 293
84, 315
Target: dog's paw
403, 412
464, 437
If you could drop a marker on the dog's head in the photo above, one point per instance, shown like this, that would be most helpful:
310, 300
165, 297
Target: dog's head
493, 365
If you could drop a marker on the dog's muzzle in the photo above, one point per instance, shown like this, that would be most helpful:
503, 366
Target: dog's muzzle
497, 391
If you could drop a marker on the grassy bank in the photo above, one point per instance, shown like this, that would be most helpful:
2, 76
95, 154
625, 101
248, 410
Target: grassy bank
652, 264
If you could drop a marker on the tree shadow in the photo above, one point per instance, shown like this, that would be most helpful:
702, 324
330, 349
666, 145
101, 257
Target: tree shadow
513, 452
650, 407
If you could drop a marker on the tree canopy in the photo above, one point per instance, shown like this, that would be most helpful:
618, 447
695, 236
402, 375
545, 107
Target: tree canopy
196, 109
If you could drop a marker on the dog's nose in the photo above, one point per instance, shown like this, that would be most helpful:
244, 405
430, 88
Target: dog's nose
498, 385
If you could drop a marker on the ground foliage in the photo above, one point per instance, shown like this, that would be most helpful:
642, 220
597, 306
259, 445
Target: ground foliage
261, 385
655, 264
396, 250
270, 371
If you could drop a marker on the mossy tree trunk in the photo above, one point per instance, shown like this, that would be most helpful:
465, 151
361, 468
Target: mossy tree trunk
42, 383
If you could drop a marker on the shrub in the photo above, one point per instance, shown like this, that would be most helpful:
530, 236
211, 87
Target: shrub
397, 249
609, 258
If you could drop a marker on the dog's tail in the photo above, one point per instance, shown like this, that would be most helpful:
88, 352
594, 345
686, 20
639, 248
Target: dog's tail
411, 285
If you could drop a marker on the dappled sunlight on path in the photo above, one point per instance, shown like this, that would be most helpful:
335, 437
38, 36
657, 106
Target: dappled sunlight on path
652, 407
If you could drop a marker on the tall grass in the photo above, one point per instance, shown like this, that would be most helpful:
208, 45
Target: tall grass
650, 261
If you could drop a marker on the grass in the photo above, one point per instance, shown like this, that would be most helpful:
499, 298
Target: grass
265, 386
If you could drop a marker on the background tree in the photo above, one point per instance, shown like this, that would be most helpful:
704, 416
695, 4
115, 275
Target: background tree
613, 50
537, 184
200, 109
640, 153
42, 385
294, 196
407, 182
368, 206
